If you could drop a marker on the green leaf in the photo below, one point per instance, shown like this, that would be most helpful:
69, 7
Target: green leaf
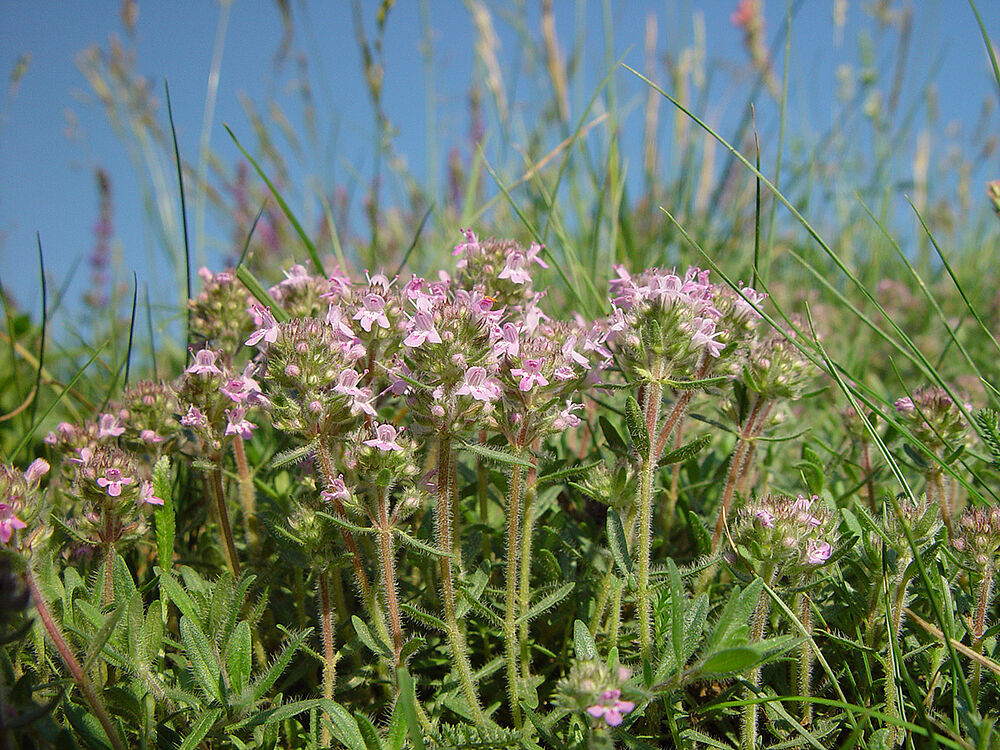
678, 605
200, 729
277, 667
164, 516
344, 524
699, 533
615, 440
570, 471
103, 635
736, 659
496, 455
690, 384
238, 652
637, 429
260, 293
583, 641
152, 633
408, 702
546, 602
181, 599
686, 452
618, 544
731, 627
374, 644
204, 664
421, 547
425, 619
368, 732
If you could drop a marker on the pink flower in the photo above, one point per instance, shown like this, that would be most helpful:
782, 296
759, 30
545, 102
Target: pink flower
611, 709
347, 385
508, 345
421, 330
336, 491
150, 437
904, 404
242, 387
567, 419
237, 423
514, 270
765, 517
818, 552
705, 334
479, 385
373, 312
148, 495
531, 255
571, 354
385, 438
36, 470
9, 522
194, 418
335, 318
340, 284
109, 425
113, 481
530, 374
204, 363
471, 244
268, 330
295, 277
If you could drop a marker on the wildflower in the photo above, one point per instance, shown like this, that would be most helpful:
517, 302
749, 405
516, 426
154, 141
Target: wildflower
150, 437
479, 385
268, 327
765, 517
336, 491
421, 330
385, 438
237, 423
194, 418
335, 318
566, 418
818, 552
571, 354
113, 481
347, 385
109, 425
204, 363
148, 495
611, 708
242, 387
704, 336
9, 522
64, 432
507, 344
471, 244
373, 312
36, 470
530, 374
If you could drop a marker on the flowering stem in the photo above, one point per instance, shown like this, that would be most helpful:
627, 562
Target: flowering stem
654, 392
748, 725
326, 465
897, 607
736, 467
329, 658
389, 575
79, 676
108, 591
935, 481
510, 600
228, 545
805, 662
983, 595
443, 520
524, 585
482, 494
248, 498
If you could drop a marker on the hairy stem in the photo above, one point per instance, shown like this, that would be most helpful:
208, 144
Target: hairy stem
748, 724
984, 593
389, 576
935, 481
736, 467
329, 658
80, 677
524, 585
228, 545
108, 591
654, 393
248, 497
443, 521
510, 599
805, 661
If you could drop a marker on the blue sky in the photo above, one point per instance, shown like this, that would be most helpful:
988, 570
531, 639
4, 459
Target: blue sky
47, 176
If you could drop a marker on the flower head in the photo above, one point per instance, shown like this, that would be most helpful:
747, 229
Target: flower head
113, 481
385, 438
611, 708
267, 330
479, 385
